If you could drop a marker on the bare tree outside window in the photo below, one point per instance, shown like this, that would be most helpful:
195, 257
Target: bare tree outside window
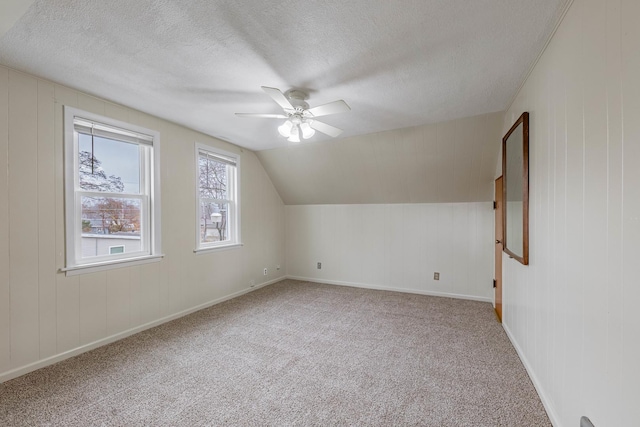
94, 178
214, 210
114, 215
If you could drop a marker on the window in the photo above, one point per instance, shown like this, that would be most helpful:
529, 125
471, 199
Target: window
218, 207
112, 192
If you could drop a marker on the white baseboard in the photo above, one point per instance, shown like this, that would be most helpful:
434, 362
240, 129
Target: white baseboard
16, 372
546, 402
388, 288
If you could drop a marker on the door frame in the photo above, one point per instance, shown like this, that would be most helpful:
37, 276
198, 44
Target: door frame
499, 234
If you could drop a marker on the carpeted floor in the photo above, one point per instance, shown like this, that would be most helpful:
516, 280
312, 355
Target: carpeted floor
294, 353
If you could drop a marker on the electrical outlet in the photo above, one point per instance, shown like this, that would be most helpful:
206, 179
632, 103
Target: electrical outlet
265, 271
436, 276
319, 266
278, 267
252, 283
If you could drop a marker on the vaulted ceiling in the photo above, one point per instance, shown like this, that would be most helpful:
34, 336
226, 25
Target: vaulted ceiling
397, 64
447, 162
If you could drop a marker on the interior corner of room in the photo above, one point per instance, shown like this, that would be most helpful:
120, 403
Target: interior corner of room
402, 199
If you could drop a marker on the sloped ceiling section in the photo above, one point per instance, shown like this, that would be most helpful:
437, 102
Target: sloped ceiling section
447, 162
10, 12
196, 62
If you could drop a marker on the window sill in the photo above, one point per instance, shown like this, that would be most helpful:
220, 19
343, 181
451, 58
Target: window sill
217, 248
109, 265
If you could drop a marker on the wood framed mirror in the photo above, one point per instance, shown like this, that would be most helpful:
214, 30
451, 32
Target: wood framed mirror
515, 189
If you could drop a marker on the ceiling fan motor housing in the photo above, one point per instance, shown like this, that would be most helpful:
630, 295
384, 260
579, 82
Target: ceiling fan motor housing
297, 98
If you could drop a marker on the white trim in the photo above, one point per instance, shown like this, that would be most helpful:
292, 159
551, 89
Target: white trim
111, 236
388, 288
217, 248
546, 402
151, 234
110, 265
14, 373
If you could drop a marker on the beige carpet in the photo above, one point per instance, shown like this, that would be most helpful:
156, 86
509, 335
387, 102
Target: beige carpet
294, 353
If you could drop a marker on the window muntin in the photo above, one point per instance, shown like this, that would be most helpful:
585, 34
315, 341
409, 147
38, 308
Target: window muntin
112, 190
217, 198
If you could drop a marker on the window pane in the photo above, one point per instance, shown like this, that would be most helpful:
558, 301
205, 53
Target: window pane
214, 226
110, 222
108, 165
213, 178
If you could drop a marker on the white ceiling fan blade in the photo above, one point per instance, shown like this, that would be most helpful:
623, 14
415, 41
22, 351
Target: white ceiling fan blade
325, 128
262, 116
334, 107
278, 97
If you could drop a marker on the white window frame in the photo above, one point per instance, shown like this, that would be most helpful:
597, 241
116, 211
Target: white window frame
149, 197
234, 202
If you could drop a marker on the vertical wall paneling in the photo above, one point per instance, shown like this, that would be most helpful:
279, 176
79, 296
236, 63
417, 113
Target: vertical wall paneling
595, 203
93, 307
396, 247
572, 313
23, 218
135, 294
45, 315
462, 231
372, 222
558, 215
46, 219
118, 301
614, 208
630, 327
5, 291
67, 290
413, 247
149, 293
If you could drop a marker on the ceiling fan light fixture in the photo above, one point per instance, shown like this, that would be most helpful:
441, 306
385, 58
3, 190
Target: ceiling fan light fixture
299, 117
295, 134
307, 130
285, 128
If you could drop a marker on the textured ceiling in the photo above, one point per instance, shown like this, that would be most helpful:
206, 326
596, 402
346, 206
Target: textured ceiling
397, 64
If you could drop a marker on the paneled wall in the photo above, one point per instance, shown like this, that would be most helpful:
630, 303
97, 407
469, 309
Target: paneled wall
44, 315
573, 312
395, 247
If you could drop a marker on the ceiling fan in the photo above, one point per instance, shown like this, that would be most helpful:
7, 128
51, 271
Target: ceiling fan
300, 119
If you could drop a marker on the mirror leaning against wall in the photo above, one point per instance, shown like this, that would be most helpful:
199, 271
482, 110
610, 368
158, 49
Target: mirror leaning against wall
515, 172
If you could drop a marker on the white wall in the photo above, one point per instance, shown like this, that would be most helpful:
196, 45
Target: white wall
573, 313
45, 315
395, 246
